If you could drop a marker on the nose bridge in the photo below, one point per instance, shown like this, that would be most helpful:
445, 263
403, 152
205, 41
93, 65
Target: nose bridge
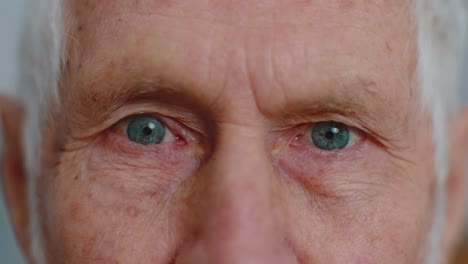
239, 177
237, 220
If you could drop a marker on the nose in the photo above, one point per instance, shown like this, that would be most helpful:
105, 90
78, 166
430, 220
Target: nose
237, 218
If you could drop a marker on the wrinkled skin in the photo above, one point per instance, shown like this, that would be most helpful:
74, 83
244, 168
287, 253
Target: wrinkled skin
239, 84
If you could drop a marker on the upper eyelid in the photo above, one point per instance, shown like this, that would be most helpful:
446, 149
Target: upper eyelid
350, 127
360, 134
309, 125
143, 107
178, 129
193, 131
327, 117
126, 120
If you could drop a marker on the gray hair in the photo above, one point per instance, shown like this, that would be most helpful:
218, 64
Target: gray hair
441, 45
441, 40
40, 70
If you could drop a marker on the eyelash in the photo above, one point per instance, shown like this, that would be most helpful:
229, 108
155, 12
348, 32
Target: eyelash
303, 138
357, 134
173, 131
181, 135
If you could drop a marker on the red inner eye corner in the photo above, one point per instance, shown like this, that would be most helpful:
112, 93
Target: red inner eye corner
180, 140
296, 140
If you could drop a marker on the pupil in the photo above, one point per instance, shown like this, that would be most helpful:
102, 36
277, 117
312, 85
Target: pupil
147, 131
329, 135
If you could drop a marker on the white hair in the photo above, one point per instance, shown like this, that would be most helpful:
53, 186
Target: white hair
40, 69
441, 41
441, 45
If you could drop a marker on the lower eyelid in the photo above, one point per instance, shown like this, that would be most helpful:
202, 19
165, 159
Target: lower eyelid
120, 145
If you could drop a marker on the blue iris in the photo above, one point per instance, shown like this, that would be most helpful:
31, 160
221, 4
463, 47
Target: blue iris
330, 135
146, 130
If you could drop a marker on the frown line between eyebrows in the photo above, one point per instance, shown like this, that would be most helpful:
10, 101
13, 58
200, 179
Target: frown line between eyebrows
356, 101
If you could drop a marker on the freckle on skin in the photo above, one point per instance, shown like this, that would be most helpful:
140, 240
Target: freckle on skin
133, 212
389, 49
94, 97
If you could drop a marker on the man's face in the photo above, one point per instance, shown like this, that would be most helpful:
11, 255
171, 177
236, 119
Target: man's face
239, 132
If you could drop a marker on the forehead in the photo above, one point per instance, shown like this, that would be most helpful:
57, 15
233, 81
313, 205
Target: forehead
382, 19
243, 10
320, 47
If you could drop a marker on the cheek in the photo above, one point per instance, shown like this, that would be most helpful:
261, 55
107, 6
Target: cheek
105, 205
136, 171
385, 229
356, 174
89, 231
370, 209
93, 223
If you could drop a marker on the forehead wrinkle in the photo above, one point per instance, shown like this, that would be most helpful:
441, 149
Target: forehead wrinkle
92, 15
237, 12
115, 2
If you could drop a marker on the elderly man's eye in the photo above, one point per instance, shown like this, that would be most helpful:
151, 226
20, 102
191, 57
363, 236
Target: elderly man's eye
332, 135
147, 130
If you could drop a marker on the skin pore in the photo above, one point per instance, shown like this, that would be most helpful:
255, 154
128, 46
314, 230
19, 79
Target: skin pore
239, 87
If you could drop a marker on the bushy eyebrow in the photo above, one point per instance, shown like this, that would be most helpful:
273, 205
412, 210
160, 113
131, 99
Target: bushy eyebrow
378, 109
358, 103
99, 99
352, 95
356, 113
